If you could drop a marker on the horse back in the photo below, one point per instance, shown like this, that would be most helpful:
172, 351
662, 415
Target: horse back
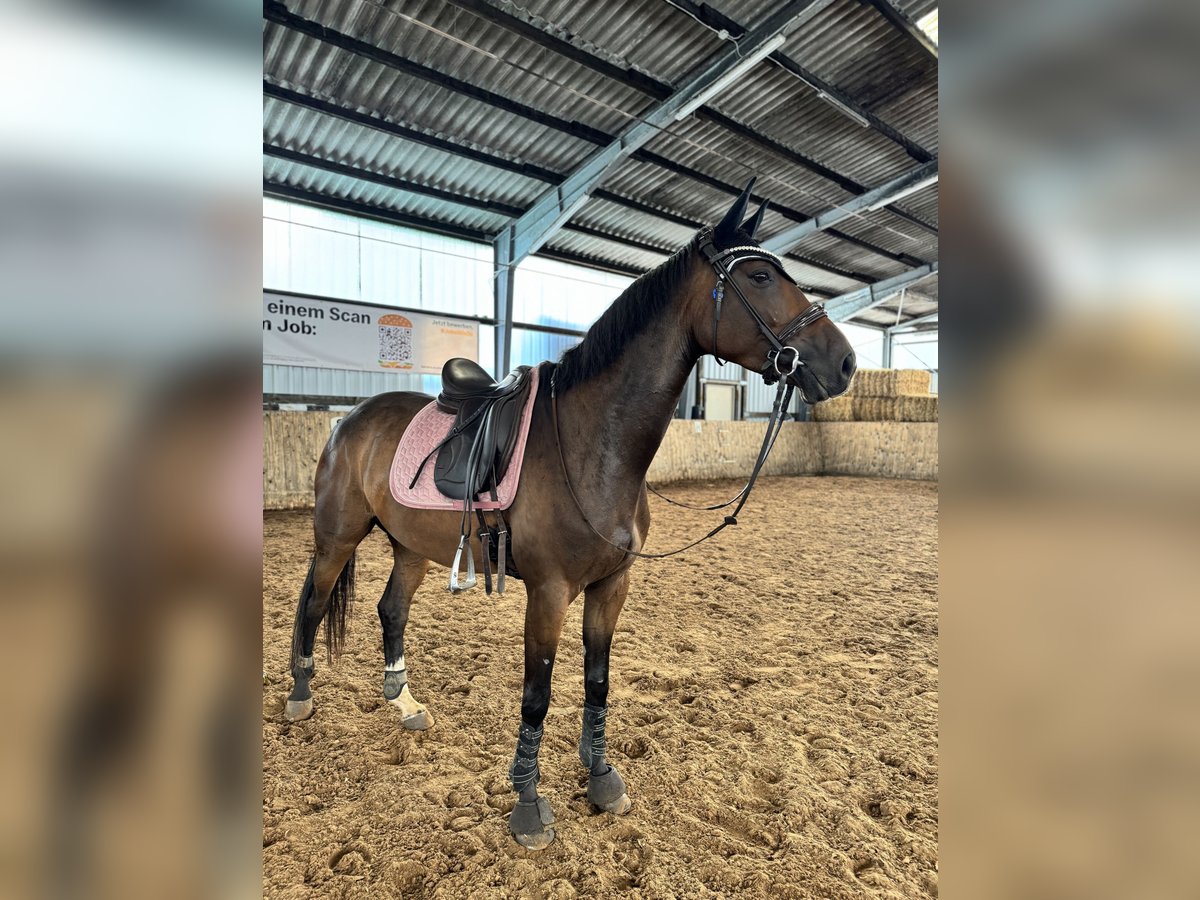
361, 447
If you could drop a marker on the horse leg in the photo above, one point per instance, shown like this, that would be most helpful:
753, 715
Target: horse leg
601, 607
408, 571
328, 590
545, 611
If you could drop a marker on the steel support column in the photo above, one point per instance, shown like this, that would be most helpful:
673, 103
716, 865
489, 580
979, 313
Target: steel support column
503, 280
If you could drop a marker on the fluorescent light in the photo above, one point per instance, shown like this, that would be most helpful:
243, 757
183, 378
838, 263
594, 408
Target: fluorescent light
911, 189
843, 108
928, 23
740, 68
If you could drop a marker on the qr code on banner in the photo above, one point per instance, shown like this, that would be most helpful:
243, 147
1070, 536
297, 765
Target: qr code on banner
395, 346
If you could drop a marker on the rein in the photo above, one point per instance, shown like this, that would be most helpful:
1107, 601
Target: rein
773, 371
783, 397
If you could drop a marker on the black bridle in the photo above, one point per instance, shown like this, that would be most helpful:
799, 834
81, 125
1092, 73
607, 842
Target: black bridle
723, 262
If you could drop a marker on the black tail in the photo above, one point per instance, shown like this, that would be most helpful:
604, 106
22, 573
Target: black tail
337, 614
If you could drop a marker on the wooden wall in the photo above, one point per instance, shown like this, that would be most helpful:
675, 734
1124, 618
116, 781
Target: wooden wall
292, 444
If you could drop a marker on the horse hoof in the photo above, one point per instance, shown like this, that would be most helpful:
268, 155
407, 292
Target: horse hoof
620, 806
539, 841
529, 823
607, 792
298, 710
419, 721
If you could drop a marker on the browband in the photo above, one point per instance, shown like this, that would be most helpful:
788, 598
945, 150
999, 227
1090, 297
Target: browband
746, 251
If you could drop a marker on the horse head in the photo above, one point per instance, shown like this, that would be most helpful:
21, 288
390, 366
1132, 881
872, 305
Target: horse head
754, 314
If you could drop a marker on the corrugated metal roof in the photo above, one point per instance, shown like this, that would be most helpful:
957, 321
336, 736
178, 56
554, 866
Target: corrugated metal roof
848, 44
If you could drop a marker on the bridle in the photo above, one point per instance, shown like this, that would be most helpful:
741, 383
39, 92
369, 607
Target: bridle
723, 261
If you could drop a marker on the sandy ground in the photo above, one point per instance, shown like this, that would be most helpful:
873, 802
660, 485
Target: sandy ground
773, 712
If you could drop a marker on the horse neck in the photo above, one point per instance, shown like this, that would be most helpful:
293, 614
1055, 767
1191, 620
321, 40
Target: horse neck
613, 423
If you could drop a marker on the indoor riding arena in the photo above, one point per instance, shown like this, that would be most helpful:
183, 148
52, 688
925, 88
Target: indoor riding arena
689, 246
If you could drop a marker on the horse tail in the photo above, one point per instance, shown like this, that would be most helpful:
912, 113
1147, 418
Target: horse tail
337, 613
341, 600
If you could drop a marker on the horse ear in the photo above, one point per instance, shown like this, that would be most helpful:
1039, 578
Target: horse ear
726, 231
752, 226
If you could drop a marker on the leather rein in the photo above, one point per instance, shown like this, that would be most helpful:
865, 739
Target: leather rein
723, 261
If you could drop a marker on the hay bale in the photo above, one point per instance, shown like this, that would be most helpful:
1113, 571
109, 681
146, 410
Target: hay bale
876, 409
839, 409
890, 383
918, 409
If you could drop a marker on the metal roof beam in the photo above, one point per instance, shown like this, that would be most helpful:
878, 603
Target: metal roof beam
276, 12
400, 184
658, 90
529, 170
389, 181
900, 20
844, 104
418, 137
505, 209
831, 268
718, 21
909, 217
571, 256
342, 204
745, 131
878, 197
652, 87
347, 114
906, 258
557, 205
912, 323
279, 14
848, 305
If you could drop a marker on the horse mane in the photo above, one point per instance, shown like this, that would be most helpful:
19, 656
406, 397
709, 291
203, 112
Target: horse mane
637, 306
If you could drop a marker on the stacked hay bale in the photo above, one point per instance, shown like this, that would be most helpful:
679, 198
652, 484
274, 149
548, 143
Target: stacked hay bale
883, 395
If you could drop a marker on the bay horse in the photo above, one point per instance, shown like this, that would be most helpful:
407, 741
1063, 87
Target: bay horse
580, 511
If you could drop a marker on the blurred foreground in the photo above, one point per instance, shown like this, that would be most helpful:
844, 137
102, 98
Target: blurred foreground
1070, 451
129, 472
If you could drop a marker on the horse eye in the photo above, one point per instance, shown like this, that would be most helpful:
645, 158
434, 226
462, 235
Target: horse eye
761, 277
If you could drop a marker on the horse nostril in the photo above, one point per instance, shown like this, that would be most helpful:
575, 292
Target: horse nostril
848, 364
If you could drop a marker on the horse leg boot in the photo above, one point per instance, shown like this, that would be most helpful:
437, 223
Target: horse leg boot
532, 817
601, 607
408, 570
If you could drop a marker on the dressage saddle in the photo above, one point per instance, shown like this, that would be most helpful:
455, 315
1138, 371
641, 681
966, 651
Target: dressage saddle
475, 454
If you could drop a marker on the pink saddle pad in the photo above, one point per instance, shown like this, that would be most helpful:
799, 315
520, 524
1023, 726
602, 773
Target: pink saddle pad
427, 428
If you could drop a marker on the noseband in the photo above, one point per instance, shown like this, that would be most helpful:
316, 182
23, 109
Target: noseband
782, 359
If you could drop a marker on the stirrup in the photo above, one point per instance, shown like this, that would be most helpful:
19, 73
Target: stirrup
501, 556
455, 586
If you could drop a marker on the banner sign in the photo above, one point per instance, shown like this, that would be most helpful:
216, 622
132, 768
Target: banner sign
338, 334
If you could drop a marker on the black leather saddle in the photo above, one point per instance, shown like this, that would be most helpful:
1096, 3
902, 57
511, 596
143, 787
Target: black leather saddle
475, 455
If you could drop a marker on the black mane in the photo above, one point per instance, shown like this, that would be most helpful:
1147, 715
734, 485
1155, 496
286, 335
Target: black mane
639, 305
